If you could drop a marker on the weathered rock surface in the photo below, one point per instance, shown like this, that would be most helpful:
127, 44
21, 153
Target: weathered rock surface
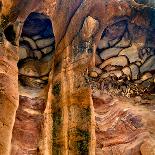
108, 53
115, 61
118, 130
148, 65
98, 60
134, 71
89, 28
28, 126
35, 24
9, 99
131, 53
36, 68
125, 41
42, 43
23, 52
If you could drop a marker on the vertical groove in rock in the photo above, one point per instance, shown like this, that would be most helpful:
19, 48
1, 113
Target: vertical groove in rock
8, 94
104, 46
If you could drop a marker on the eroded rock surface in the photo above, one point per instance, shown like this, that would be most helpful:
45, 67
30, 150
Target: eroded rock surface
100, 45
120, 128
27, 131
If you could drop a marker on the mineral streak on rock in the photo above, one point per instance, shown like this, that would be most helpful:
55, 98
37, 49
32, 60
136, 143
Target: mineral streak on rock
71, 103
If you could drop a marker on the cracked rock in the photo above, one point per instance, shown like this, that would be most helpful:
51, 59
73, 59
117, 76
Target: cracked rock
149, 65
42, 43
131, 53
108, 53
134, 71
115, 61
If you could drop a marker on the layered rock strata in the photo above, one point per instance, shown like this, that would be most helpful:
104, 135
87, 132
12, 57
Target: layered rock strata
105, 46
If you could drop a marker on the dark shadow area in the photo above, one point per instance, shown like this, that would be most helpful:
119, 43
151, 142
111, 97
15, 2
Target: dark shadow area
10, 34
37, 24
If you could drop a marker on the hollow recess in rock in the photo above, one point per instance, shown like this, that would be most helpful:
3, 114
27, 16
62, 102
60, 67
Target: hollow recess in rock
37, 45
10, 34
36, 48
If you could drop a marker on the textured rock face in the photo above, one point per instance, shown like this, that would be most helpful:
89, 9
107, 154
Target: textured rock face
84, 66
120, 128
124, 47
28, 126
8, 94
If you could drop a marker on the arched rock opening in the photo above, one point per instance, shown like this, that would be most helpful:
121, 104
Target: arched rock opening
36, 48
126, 55
125, 75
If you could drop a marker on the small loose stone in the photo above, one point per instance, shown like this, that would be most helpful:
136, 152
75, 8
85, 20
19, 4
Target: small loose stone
23, 52
116, 73
131, 53
138, 63
103, 43
47, 50
127, 71
93, 74
114, 41
95, 69
104, 75
37, 54
110, 68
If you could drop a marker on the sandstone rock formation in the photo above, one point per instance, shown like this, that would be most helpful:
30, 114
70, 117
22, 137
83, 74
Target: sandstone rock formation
77, 77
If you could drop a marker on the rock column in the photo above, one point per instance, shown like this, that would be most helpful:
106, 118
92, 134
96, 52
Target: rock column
8, 94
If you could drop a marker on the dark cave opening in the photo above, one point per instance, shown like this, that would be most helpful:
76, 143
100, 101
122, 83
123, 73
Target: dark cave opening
37, 45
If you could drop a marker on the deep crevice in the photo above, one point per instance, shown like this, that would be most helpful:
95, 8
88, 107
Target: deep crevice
10, 34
